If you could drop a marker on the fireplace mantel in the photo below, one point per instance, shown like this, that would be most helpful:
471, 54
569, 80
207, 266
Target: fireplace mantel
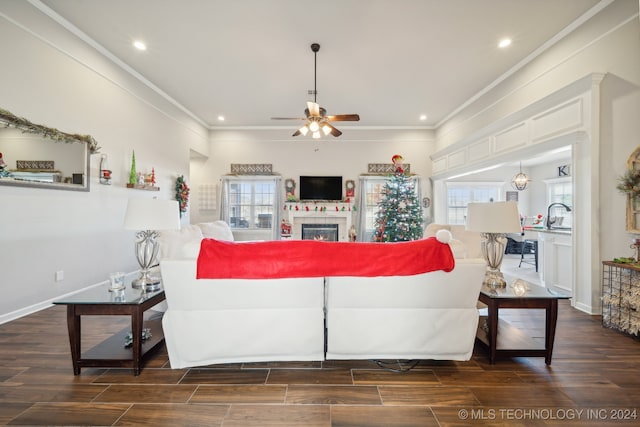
310, 212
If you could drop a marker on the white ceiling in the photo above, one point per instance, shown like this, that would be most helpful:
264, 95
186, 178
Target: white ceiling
388, 60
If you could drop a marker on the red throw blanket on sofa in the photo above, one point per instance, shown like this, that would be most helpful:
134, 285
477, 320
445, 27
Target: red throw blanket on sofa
310, 258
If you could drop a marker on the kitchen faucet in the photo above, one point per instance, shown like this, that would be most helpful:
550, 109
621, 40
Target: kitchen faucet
549, 222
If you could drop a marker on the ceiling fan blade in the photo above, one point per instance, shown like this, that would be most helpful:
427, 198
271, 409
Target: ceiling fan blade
344, 118
288, 118
314, 109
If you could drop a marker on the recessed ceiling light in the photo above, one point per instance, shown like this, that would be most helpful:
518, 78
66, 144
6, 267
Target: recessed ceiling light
139, 45
423, 117
504, 43
221, 118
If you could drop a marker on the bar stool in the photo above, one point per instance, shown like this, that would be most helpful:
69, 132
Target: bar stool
529, 247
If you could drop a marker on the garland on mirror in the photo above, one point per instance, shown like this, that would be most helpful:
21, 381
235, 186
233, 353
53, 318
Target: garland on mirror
11, 120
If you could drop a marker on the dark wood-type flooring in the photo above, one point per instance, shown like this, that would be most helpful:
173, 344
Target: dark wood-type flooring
594, 379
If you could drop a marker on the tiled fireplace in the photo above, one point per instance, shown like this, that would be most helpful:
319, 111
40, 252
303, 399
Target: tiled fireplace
320, 215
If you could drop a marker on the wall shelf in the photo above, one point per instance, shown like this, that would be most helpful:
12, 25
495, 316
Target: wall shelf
143, 187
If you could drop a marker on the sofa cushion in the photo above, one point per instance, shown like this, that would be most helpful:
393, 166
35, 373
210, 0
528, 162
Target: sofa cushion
465, 244
189, 249
218, 230
472, 240
458, 248
172, 242
433, 228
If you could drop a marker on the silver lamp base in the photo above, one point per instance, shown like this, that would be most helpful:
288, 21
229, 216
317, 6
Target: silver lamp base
493, 251
494, 279
146, 252
147, 282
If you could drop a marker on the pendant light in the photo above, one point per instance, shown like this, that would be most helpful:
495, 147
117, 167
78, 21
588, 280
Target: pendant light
520, 181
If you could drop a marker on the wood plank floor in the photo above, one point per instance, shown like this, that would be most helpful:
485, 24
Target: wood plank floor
594, 379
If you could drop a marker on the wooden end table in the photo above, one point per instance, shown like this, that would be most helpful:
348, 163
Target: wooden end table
509, 341
99, 301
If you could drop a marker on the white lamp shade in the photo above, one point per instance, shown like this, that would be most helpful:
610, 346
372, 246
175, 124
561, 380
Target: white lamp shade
493, 217
152, 214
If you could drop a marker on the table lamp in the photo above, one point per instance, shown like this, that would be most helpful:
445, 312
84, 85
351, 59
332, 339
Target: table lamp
147, 216
493, 220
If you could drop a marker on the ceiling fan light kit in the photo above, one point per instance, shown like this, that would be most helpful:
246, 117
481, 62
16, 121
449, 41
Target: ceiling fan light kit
316, 116
304, 130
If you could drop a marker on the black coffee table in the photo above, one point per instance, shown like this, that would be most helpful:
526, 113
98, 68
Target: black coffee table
99, 301
509, 341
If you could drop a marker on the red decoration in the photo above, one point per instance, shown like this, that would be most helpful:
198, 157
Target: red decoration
285, 228
397, 163
313, 258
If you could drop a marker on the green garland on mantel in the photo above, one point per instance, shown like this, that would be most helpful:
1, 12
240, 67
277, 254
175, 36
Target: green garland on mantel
11, 120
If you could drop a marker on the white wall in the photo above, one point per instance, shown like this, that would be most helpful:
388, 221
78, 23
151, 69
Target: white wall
608, 43
347, 156
52, 78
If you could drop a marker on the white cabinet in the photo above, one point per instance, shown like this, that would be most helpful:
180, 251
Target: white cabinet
555, 260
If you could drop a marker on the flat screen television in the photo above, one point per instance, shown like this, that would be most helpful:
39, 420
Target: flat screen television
320, 188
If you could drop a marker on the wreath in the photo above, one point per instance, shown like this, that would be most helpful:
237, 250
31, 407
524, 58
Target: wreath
182, 194
630, 183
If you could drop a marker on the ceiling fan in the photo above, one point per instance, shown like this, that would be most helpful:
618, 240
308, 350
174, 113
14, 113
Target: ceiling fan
317, 120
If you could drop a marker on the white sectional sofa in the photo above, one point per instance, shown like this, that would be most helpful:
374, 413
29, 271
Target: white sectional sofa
426, 316
223, 320
240, 320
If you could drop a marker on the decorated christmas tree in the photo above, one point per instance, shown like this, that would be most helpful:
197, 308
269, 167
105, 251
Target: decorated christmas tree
399, 216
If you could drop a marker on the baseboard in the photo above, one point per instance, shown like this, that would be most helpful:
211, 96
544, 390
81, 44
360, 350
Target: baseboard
8, 317
586, 308
25, 311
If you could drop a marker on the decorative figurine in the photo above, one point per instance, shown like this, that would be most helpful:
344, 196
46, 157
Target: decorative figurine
635, 244
105, 172
3, 173
352, 234
285, 228
397, 163
133, 175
